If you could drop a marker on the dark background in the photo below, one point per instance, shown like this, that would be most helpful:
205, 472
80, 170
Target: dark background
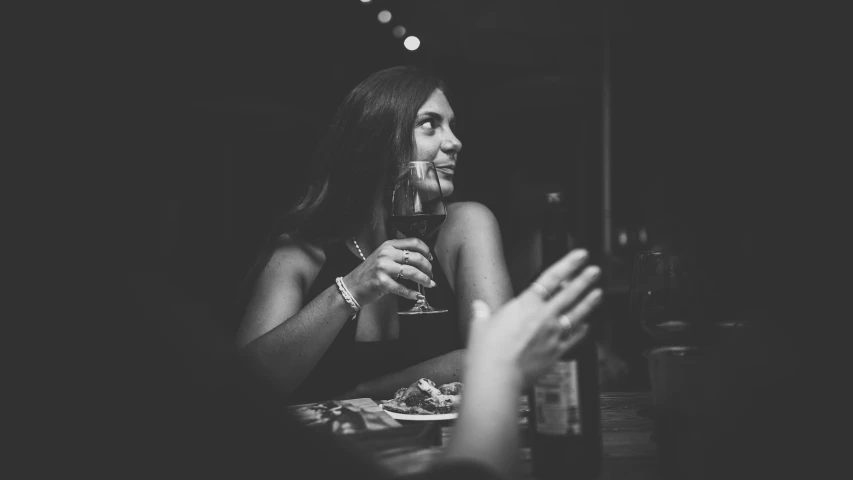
160, 138
199, 121
181, 129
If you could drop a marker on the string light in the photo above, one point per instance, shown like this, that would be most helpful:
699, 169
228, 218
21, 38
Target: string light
411, 43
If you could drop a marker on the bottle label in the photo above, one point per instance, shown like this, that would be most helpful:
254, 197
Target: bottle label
558, 400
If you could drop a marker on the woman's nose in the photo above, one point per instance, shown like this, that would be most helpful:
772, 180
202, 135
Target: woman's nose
451, 143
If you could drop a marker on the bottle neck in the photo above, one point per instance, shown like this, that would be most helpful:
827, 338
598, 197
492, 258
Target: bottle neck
555, 232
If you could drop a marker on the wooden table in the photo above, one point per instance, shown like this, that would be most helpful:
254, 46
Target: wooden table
629, 452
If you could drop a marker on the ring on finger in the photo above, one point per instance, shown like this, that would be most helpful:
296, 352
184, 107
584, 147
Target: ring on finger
540, 290
566, 323
405, 257
400, 275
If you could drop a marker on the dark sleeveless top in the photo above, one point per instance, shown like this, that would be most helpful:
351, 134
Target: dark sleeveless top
348, 362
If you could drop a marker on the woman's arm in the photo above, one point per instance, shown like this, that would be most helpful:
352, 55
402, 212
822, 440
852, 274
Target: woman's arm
446, 368
471, 251
277, 334
287, 340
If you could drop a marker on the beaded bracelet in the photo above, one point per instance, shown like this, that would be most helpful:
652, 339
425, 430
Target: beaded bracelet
351, 301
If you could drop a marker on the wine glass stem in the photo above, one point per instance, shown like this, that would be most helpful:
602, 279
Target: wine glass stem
422, 298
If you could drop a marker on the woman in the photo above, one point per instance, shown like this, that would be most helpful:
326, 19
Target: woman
335, 255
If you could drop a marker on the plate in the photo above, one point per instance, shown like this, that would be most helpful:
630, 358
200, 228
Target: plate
421, 418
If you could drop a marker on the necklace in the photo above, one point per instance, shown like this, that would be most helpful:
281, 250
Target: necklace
358, 248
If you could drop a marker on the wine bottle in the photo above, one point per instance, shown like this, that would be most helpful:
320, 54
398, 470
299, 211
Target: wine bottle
564, 418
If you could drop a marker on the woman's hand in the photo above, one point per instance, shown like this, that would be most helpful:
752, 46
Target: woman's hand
508, 350
528, 334
382, 272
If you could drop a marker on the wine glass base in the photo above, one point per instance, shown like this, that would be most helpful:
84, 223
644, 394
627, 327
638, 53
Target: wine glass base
421, 307
420, 312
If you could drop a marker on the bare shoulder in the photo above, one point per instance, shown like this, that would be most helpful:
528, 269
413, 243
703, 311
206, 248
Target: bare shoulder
471, 251
467, 220
293, 260
469, 225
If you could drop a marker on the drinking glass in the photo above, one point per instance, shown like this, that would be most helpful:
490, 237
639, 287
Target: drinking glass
418, 210
665, 295
689, 414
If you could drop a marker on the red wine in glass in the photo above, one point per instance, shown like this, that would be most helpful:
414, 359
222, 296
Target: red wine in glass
420, 225
418, 210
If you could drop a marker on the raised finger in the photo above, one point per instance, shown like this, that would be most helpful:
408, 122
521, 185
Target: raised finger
573, 290
549, 281
413, 244
577, 336
577, 315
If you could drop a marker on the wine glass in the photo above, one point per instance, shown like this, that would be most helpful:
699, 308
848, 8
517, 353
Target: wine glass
665, 294
418, 210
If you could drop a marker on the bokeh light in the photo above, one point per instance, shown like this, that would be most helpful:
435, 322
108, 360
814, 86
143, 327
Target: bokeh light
398, 31
384, 16
365, 1
411, 43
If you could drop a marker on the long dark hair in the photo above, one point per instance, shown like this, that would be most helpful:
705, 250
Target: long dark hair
371, 134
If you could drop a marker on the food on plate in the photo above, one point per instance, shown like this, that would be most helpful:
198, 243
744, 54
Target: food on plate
454, 388
424, 398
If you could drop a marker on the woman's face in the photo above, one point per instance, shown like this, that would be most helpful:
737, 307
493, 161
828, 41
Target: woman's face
434, 138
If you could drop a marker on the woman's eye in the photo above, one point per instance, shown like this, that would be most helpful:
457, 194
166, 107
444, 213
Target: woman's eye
428, 124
